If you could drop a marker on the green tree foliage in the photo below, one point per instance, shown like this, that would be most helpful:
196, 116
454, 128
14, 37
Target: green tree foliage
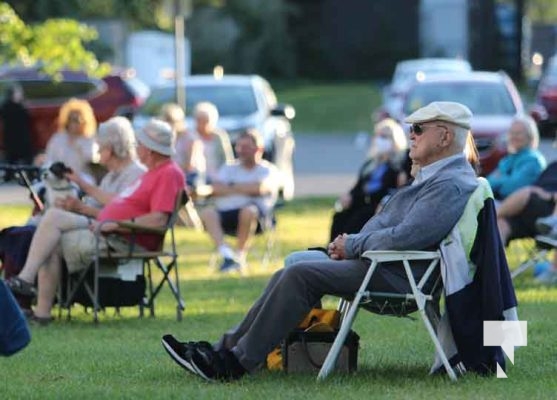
245, 36
542, 11
52, 45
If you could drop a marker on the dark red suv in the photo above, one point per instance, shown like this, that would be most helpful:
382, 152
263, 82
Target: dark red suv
119, 93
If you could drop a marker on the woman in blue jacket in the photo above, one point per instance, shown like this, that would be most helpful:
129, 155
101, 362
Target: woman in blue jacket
524, 163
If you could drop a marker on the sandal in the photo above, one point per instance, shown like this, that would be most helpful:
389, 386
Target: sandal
21, 287
41, 321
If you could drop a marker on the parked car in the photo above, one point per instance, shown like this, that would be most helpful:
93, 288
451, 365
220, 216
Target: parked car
491, 96
243, 101
546, 96
119, 93
408, 72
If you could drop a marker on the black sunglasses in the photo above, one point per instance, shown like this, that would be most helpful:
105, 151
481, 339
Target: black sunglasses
418, 129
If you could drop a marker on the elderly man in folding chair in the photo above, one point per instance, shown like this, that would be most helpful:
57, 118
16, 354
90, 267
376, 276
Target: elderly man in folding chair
148, 201
417, 217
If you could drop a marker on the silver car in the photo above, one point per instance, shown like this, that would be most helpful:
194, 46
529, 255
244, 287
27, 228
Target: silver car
243, 101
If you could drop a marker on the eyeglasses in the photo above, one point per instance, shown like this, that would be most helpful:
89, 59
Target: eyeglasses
418, 129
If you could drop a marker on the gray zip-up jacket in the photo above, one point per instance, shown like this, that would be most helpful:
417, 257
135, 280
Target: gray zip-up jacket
419, 216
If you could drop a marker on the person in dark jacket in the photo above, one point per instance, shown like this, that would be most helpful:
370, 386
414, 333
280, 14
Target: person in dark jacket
17, 128
382, 172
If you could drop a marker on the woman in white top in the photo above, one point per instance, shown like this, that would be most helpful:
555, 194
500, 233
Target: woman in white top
216, 143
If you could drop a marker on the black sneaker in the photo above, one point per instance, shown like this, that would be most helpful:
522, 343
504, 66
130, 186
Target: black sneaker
212, 365
181, 352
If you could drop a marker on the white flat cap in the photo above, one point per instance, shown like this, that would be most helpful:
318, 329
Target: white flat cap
448, 111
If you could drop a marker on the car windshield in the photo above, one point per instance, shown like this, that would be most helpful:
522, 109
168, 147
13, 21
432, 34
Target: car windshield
483, 98
409, 73
36, 90
230, 100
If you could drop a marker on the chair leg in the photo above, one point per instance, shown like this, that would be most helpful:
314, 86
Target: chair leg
347, 321
437, 344
534, 258
334, 352
269, 249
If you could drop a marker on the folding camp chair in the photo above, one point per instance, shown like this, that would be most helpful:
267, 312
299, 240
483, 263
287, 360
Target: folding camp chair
268, 223
537, 251
86, 287
423, 296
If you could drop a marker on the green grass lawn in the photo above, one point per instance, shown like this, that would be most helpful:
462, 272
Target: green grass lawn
122, 357
331, 108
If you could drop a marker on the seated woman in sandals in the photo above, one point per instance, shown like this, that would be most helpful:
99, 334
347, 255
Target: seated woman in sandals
148, 201
116, 141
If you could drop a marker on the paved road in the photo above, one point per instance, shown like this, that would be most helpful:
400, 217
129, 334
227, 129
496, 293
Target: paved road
325, 165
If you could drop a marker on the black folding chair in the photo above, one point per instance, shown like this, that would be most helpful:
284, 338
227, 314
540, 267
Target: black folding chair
90, 288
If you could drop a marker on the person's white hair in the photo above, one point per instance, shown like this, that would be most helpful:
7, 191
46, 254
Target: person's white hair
461, 135
530, 129
209, 110
117, 132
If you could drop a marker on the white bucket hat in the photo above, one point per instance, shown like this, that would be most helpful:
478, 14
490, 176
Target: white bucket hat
158, 136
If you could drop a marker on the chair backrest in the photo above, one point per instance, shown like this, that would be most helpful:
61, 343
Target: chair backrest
181, 199
456, 248
548, 178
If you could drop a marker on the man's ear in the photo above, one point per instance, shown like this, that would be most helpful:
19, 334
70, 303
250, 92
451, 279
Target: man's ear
447, 138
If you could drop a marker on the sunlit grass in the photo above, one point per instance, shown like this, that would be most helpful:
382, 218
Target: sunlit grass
326, 108
122, 356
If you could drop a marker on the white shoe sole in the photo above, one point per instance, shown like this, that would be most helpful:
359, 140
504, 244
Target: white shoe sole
178, 359
189, 366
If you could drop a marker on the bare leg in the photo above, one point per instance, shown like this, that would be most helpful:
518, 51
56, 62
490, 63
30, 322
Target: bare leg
247, 222
48, 279
47, 238
211, 221
504, 229
515, 203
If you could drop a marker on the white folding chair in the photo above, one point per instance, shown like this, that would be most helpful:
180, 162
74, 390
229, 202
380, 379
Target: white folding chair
423, 296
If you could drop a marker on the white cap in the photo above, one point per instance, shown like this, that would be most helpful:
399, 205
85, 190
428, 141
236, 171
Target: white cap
447, 111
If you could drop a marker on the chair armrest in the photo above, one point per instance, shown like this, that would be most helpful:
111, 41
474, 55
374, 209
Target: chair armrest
130, 227
138, 228
393, 255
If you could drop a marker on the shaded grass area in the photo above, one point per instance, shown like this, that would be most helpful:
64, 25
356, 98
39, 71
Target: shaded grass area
122, 357
331, 108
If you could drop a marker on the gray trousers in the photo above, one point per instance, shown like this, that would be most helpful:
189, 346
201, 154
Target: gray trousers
290, 295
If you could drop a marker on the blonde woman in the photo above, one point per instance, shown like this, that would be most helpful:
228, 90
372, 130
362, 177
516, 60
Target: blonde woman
380, 174
74, 142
